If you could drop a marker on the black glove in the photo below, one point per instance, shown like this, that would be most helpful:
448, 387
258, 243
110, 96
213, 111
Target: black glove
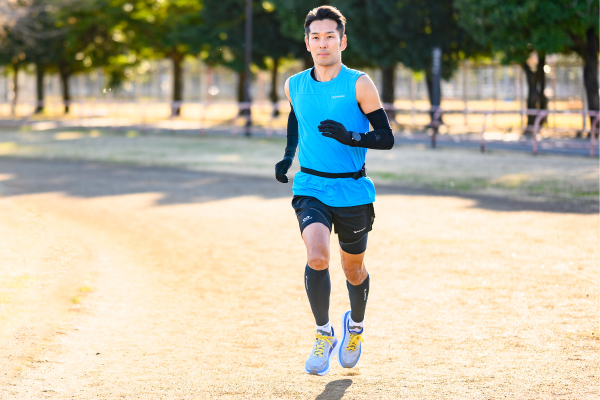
281, 168
335, 130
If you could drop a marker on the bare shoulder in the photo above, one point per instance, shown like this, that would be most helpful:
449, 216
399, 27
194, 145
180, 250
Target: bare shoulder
364, 83
367, 95
286, 87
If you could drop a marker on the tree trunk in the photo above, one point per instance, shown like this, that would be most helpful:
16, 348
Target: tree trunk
429, 82
39, 85
541, 78
388, 80
13, 109
273, 95
590, 71
536, 99
531, 95
308, 61
64, 80
177, 84
240, 94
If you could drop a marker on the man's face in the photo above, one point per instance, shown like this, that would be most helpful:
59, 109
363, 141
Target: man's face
324, 42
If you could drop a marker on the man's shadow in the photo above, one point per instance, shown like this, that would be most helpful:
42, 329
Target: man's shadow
335, 390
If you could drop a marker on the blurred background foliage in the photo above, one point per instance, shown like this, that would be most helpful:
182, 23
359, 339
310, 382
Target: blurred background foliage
69, 37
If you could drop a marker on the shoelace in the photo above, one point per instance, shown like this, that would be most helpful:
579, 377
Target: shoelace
320, 347
355, 338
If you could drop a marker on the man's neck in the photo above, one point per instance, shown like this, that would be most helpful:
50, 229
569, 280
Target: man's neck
325, 74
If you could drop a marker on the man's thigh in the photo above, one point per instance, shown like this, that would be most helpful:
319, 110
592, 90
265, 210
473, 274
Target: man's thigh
316, 240
309, 210
315, 220
353, 223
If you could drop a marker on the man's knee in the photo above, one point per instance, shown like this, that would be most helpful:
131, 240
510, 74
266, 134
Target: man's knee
354, 269
318, 260
316, 238
356, 276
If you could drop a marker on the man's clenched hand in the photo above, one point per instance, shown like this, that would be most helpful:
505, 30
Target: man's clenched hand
335, 130
281, 168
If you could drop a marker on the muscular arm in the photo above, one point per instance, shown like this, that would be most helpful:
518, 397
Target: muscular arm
282, 167
367, 97
381, 137
292, 135
292, 126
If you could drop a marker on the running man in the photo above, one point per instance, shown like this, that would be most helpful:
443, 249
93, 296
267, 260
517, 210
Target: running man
332, 107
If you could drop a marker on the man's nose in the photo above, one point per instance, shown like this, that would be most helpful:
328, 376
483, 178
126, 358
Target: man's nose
322, 43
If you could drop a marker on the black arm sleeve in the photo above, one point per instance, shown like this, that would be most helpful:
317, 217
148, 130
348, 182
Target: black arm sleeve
381, 137
292, 135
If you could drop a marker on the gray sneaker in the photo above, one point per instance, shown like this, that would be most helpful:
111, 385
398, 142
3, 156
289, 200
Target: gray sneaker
323, 351
350, 347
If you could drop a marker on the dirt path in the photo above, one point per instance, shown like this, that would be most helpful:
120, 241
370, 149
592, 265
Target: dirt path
196, 292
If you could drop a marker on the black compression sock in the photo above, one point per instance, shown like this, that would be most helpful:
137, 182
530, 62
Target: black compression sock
358, 299
318, 289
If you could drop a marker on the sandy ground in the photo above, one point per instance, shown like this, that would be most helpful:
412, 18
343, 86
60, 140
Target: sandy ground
122, 282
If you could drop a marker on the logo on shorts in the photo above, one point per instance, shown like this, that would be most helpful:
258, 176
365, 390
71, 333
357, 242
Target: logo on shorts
360, 230
306, 219
336, 97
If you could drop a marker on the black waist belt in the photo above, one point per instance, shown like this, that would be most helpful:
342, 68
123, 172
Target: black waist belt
355, 175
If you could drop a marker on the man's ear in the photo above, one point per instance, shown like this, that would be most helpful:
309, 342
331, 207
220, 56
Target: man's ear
344, 43
306, 42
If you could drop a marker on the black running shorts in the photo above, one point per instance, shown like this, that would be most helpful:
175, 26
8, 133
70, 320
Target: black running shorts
350, 223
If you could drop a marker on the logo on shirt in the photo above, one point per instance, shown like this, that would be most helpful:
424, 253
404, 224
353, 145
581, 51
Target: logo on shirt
335, 97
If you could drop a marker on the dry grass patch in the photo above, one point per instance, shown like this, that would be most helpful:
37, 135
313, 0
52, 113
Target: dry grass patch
502, 173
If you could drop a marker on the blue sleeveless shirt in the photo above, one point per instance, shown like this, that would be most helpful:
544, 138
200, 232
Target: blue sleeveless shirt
314, 102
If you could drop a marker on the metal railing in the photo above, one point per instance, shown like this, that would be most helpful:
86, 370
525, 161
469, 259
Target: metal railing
438, 112
88, 111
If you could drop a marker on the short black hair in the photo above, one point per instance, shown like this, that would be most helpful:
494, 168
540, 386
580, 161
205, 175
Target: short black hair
325, 12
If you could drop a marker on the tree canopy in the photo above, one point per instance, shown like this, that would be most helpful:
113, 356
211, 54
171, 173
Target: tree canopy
516, 29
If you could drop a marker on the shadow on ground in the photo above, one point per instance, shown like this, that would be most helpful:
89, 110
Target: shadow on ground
335, 390
181, 186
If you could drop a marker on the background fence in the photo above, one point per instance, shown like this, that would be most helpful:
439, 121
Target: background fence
209, 96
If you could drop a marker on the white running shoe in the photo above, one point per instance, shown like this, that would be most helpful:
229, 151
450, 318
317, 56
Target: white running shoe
350, 347
319, 361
